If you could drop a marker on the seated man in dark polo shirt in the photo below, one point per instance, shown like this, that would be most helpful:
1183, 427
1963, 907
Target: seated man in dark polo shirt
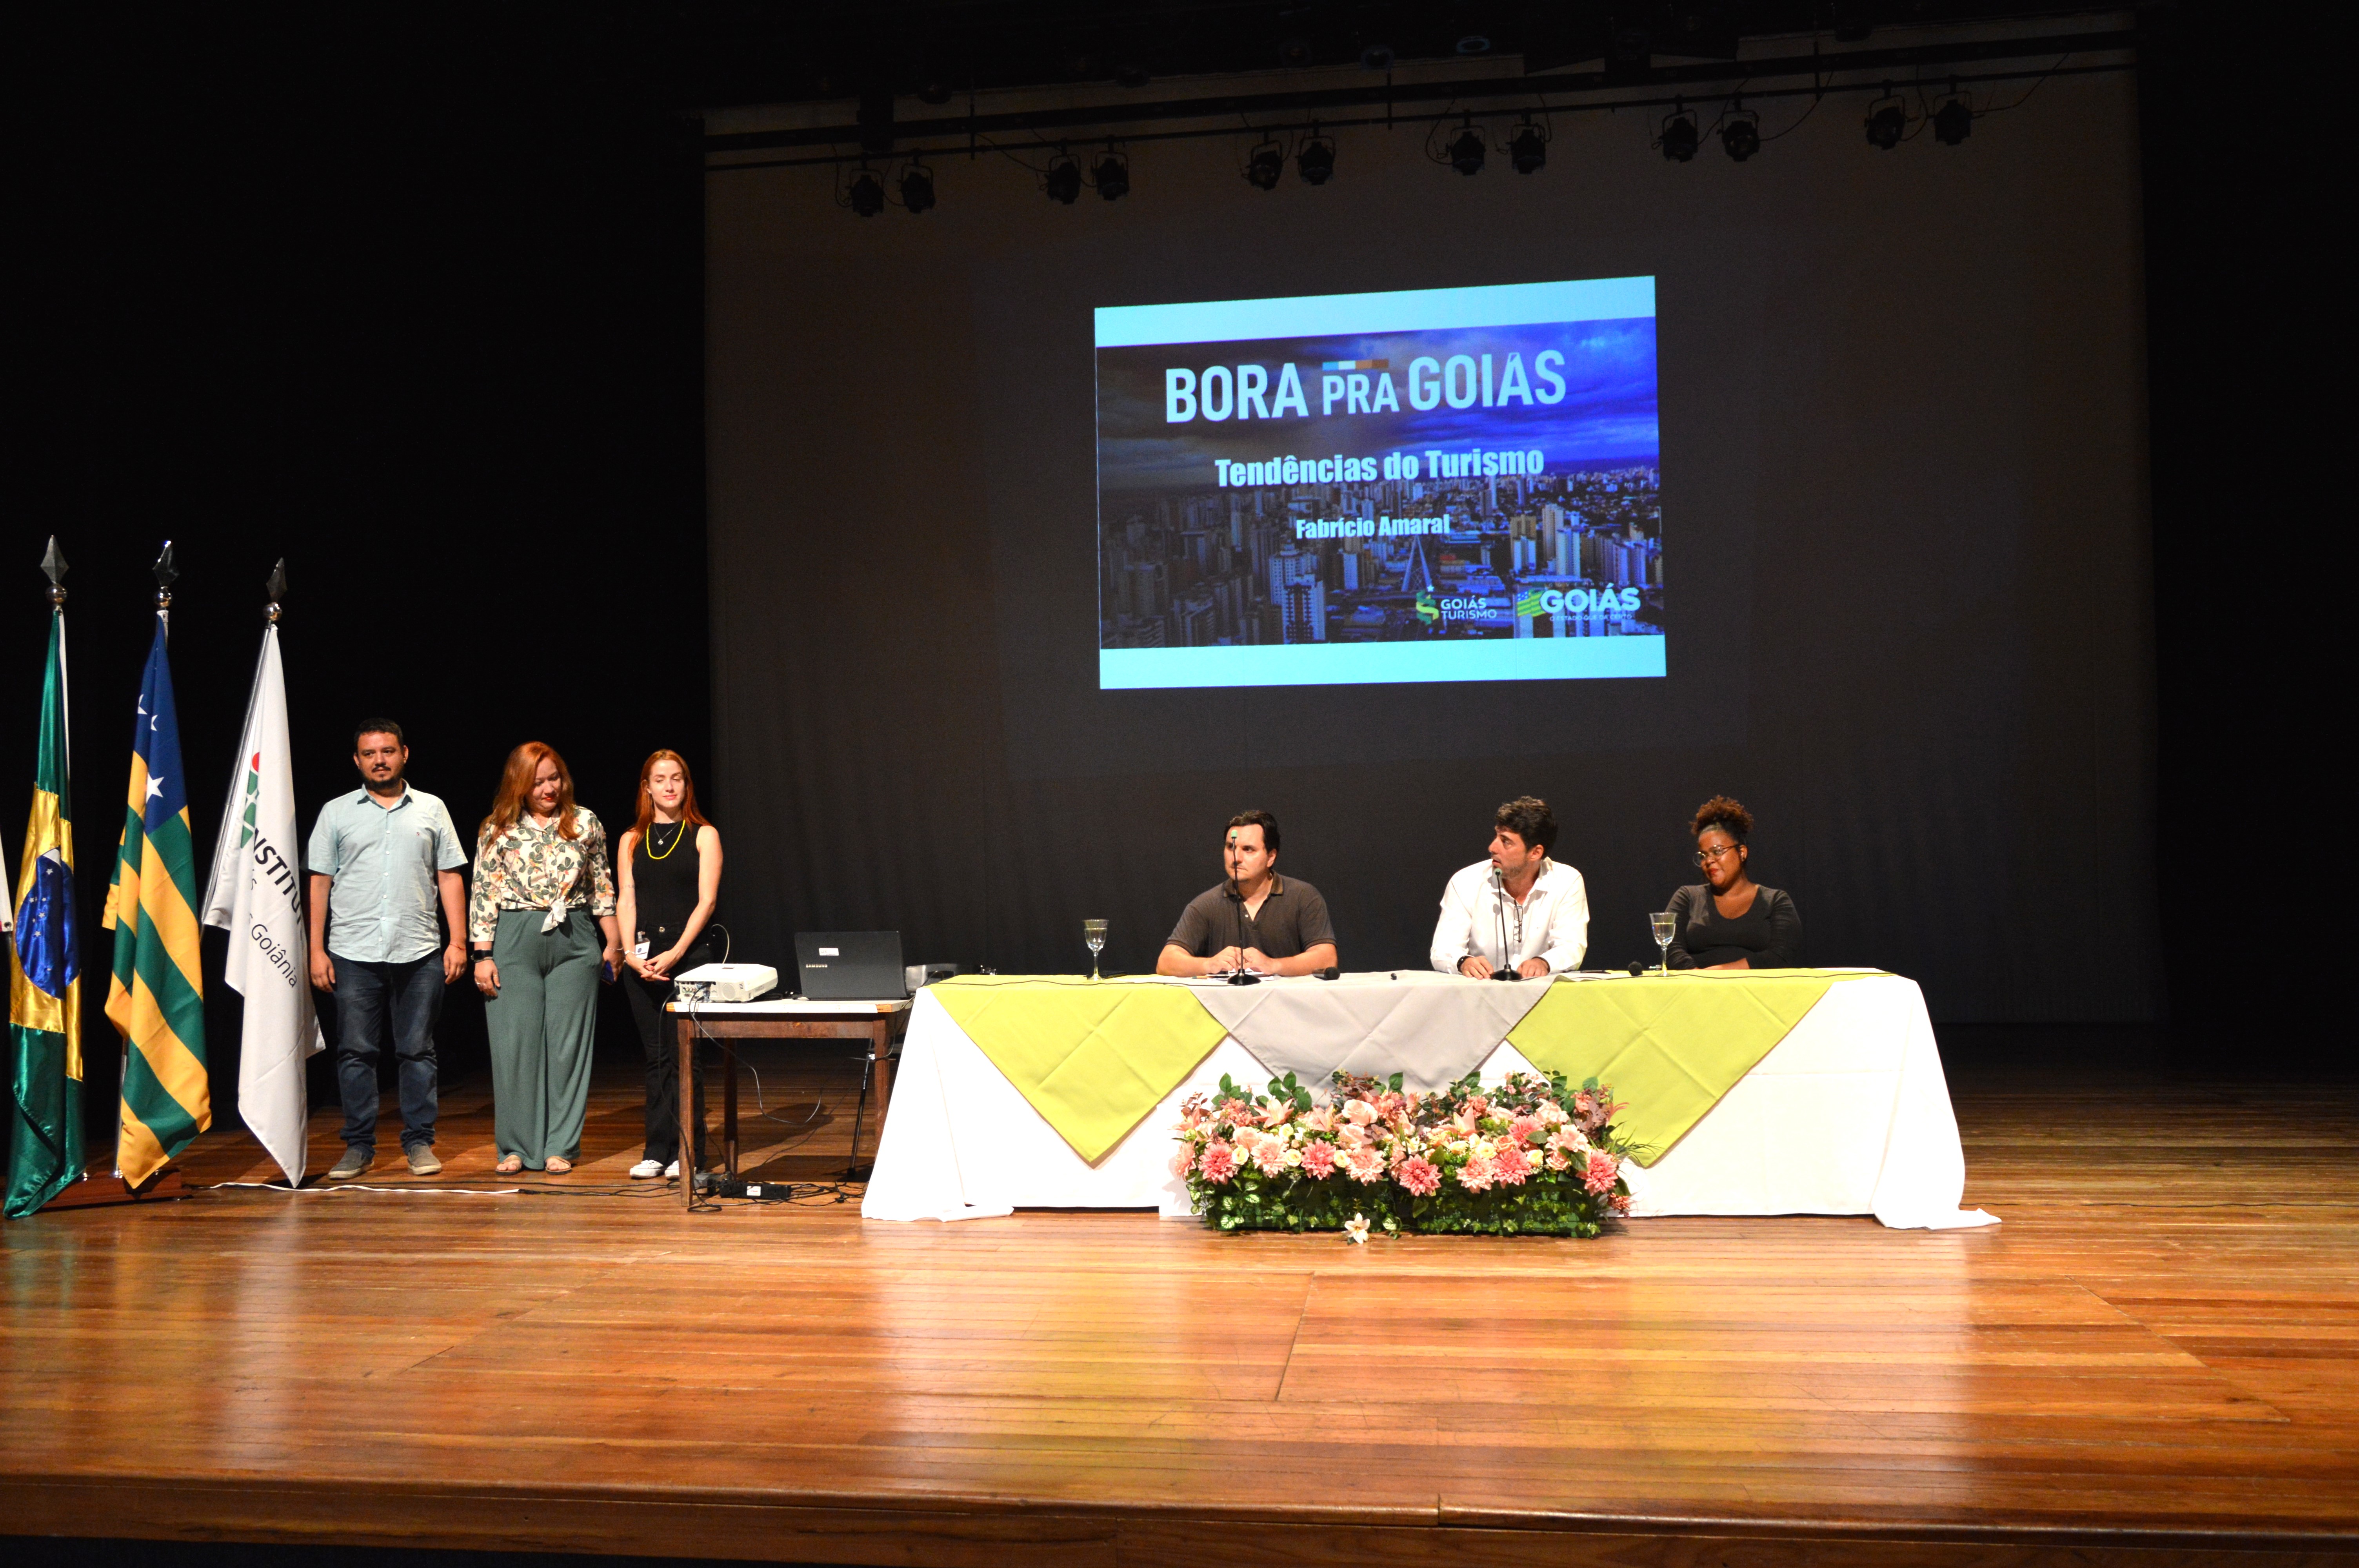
1257, 920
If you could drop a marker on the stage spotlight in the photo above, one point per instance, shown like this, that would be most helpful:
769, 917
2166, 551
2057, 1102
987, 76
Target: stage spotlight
1111, 174
1528, 148
1316, 162
1264, 164
1130, 73
866, 195
1741, 137
934, 90
1678, 138
1474, 43
917, 188
1466, 151
1954, 121
1888, 122
1376, 57
1064, 180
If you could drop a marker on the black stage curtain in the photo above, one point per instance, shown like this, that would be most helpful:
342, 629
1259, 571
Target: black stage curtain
1904, 470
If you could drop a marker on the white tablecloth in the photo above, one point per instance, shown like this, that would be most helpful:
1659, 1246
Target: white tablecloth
1849, 1114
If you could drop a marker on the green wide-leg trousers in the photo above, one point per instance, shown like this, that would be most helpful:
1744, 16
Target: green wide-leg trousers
543, 1026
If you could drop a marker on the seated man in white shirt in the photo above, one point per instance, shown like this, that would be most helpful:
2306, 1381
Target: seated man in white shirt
1517, 913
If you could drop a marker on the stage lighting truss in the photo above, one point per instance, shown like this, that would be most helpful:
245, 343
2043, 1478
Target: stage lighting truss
1061, 180
863, 192
1954, 121
1678, 139
1110, 176
1526, 146
917, 187
1888, 122
1265, 164
1740, 132
1315, 159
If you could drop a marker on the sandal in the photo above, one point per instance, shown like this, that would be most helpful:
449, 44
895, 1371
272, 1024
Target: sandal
558, 1166
509, 1166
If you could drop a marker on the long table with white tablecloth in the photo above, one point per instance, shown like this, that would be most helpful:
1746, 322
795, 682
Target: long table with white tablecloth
1051, 1093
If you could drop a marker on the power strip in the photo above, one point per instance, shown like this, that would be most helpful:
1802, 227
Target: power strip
757, 1192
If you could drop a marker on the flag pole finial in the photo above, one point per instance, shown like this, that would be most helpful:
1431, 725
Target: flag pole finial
277, 588
53, 563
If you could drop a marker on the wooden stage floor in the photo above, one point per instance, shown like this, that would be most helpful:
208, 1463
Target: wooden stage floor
2155, 1359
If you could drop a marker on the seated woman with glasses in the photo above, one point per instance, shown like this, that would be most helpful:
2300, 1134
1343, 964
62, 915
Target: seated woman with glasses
1731, 921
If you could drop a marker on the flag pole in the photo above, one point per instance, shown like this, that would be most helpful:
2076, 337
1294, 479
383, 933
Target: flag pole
97, 1192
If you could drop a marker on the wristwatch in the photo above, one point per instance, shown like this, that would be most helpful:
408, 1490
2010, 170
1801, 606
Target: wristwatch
483, 955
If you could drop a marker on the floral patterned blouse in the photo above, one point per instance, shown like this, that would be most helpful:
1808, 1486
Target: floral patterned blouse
530, 867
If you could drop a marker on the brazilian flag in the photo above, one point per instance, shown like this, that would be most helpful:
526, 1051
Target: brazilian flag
155, 997
44, 972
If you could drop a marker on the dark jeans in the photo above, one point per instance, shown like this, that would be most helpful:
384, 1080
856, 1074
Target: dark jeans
658, 1033
369, 997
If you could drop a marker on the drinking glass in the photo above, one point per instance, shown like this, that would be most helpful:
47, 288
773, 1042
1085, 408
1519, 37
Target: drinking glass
1093, 933
1666, 925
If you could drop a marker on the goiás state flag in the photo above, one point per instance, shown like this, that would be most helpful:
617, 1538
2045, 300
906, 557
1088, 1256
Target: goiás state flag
257, 897
155, 997
45, 1146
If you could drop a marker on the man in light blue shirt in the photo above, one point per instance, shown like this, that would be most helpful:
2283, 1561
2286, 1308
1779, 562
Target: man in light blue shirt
381, 859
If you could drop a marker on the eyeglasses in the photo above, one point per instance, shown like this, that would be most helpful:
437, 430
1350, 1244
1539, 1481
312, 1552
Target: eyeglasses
1703, 857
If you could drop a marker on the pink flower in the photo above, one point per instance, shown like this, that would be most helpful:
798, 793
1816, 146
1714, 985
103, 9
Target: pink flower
1233, 1111
1391, 1104
1321, 1119
1525, 1129
1219, 1164
1600, 1175
1463, 1122
1475, 1175
1319, 1159
1512, 1164
1359, 1113
1478, 1105
1365, 1164
1552, 1114
1193, 1113
1184, 1161
1419, 1176
1619, 1203
1276, 1114
1270, 1155
1558, 1160
1352, 1137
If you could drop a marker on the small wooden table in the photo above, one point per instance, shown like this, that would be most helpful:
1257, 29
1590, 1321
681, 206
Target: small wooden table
881, 1023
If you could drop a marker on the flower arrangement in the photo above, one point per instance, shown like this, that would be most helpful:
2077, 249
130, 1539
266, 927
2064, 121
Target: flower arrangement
1528, 1157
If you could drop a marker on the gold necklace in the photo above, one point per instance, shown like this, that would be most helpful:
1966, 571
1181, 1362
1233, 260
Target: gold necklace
673, 844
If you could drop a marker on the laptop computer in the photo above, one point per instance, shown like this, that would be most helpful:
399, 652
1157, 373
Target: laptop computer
851, 965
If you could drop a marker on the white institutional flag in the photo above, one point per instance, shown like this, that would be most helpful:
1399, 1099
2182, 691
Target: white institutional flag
257, 897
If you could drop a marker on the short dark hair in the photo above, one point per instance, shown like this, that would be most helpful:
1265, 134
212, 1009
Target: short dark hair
1528, 816
1726, 814
378, 726
1261, 820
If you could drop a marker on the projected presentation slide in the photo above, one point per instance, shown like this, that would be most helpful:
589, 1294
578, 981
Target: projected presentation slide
1445, 484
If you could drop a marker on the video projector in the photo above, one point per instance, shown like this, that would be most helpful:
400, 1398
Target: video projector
727, 982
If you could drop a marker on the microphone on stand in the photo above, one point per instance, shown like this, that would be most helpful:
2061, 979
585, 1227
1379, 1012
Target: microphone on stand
1237, 977
1507, 970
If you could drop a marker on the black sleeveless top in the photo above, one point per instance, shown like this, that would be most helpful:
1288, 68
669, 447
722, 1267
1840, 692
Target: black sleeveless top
663, 878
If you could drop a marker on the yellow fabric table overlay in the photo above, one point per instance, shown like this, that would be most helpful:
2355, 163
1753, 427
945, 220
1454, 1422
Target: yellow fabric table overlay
1092, 1057
1668, 1046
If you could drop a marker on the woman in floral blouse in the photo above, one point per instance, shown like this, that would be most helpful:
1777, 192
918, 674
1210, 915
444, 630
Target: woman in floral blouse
540, 860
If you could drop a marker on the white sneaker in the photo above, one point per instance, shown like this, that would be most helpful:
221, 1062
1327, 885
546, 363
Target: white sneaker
645, 1171
671, 1170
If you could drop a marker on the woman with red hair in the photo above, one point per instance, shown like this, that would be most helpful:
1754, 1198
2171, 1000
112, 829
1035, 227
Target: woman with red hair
539, 859
670, 870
